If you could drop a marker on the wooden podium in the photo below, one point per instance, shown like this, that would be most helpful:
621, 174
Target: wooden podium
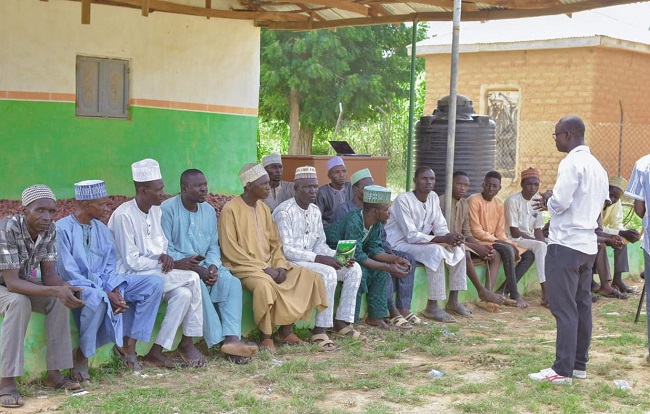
377, 166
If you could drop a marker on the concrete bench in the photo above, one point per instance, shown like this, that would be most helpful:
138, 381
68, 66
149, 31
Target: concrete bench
35, 341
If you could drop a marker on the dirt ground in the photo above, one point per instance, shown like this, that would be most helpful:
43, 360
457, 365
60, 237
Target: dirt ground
474, 364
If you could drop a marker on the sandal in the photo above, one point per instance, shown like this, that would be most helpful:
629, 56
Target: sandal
349, 332
65, 384
291, 339
323, 341
237, 359
79, 371
125, 359
267, 345
400, 322
15, 402
413, 319
240, 349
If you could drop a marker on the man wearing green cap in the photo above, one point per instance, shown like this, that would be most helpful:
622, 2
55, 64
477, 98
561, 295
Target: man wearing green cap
617, 236
400, 289
364, 226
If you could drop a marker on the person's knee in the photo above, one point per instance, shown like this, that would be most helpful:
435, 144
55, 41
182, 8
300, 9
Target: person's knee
182, 294
19, 304
156, 286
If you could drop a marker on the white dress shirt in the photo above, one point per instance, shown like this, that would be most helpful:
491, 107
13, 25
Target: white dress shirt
579, 195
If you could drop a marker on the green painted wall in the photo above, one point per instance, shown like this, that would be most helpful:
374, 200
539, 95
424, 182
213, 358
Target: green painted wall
44, 142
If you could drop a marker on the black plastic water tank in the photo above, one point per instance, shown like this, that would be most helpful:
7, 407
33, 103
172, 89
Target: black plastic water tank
476, 145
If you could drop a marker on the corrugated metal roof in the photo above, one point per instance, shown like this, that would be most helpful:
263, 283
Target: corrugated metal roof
340, 13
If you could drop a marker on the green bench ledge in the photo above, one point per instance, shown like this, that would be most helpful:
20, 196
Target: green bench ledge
36, 345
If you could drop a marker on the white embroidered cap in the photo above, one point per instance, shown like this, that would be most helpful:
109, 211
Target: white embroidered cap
272, 158
146, 170
305, 172
90, 190
251, 172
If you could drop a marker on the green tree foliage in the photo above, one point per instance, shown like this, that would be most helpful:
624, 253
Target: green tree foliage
304, 76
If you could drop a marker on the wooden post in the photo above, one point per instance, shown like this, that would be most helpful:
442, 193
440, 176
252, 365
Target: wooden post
85, 11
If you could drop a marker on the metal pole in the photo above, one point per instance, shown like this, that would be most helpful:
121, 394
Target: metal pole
451, 133
409, 153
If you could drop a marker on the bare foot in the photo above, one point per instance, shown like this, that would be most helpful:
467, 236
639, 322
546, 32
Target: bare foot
458, 309
160, 361
438, 315
487, 296
192, 357
377, 323
520, 303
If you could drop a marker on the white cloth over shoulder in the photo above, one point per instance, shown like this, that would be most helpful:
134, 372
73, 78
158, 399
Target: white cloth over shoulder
413, 224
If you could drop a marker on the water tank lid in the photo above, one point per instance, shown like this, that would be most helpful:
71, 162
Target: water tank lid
464, 106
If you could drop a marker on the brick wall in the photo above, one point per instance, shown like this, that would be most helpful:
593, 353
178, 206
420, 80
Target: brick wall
553, 83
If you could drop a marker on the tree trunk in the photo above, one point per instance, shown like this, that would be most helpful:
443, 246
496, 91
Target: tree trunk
300, 137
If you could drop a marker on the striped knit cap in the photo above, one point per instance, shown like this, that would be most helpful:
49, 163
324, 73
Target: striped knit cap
36, 192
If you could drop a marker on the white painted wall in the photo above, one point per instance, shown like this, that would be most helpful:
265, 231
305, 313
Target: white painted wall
172, 57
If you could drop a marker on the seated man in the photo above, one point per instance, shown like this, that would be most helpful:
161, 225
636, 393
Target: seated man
601, 264
252, 250
612, 218
487, 218
118, 308
459, 223
303, 242
524, 224
141, 249
400, 289
338, 191
27, 241
364, 226
190, 226
280, 190
419, 227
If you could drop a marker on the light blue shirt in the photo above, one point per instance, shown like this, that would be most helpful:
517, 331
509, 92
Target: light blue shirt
191, 233
638, 188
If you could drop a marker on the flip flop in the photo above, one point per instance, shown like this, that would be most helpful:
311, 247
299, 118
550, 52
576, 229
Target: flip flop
345, 333
267, 345
126, 360
15, 395
291, 339
237, 359
464, 312
488, 306
239, 349
324, 342
400, 322
413, 319
79, 371
614, 295
65, 384
442, 316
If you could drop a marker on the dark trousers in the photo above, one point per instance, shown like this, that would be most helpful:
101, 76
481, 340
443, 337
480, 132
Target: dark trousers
568, 281
400, 291
514, 271
601, 265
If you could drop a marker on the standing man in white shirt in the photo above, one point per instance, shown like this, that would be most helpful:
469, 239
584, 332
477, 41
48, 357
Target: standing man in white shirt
639, 189
575, 204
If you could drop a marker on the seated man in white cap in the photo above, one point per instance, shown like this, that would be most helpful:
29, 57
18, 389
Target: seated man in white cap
118, 308
338, 191
252, 250
27, 242
280, 190
613, 229
418, 226
190, 226
524, 224
364, 226
141, 249
304, 244
400, 289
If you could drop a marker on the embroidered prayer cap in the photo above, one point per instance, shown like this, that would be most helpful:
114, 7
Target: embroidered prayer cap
360, 175
376, 194
529, 173
90, 190
618, 182
36, 192
251, 172
272, 158
305, 172
334, 162
146, 170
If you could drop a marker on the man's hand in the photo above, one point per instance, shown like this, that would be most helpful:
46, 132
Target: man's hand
271, 272
188, 263
212, 276
399, 268
282, 275
118, 304
167, 262
615, 241
66, 294
541, 204
351, 262
485, 252
329, 261
630, 235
